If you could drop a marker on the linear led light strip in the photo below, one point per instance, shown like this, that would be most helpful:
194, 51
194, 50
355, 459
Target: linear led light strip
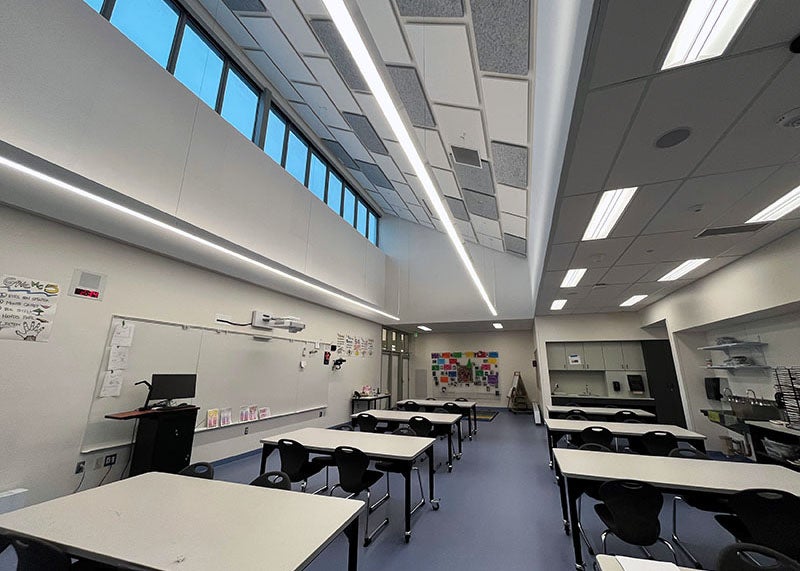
164, 226
358, 49
706, 30
632, 300
779, 208
611, 206
683, 269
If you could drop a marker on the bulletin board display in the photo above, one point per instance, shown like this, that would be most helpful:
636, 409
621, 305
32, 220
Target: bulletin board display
466, 371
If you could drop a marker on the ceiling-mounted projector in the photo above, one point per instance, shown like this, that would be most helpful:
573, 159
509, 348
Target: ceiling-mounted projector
264, 320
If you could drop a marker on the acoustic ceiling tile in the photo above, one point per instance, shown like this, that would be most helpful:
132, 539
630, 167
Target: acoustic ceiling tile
431, 8
487, 226
312, 120
351, 144
442, 54
466, 231
245, 5
510, 164
506, 104
559, 256
363, 129
462, 128
393, 198
399, 156
675, 247
600, 253
294, 25
447, 182
329, 79
318, 100
502, 35
412, 96
515, 244
432, 148
419, 213
481, 204
406, 214
339, 152
512, 200
273, 74
233, 27
380, 200
457, 208
329, 36
406, 193
647, 201
388, 167
272, 41
573, 214
385, 30
370, 108
490, 242
416, 186
626, 274
374, 174
362, 179
312, 7
478, 180
512, 224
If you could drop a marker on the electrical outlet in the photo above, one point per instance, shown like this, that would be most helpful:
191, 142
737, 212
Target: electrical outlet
80, 467
109, 460
247, 430
321, 413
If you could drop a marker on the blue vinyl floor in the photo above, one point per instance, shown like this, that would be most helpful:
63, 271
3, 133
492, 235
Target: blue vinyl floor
499, 511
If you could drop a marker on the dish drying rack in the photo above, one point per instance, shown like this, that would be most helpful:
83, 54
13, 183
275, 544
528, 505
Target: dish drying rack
787, 382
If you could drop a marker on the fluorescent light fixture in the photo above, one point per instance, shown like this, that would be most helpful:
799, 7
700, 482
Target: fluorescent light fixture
558, 304
424, 328
184, 234
355, 44
611, 206
683, 269
779, 208
632, 300
707, 28
573, 277
497, 325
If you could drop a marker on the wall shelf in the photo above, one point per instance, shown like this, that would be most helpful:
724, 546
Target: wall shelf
735, 368
728, 346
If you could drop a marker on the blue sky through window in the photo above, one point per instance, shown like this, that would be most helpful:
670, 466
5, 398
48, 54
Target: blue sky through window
316, 177
96, 4
361, 219
349, 212
296, 157
150, 24
334, 192
239, 104
199, 67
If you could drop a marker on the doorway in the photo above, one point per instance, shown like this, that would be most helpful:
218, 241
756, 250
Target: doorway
395, 364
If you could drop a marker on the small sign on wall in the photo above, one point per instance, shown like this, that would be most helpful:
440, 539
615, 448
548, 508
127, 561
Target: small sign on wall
27, 308
574, 359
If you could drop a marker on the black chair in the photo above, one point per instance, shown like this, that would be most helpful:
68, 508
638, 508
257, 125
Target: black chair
344, 427
704, 502
630, 511
594, 447
739, 557
597, 435
574, 439
368, 423
421, 426
296, 464
623, 415
394, 467
765, 517
328, 461
431, 398
277, 480
37, 555
199, 470
411, 406
356, 477
591, 489
462, 399
654, 443
451, 408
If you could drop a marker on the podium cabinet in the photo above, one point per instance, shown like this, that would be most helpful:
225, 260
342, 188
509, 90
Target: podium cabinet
164, 438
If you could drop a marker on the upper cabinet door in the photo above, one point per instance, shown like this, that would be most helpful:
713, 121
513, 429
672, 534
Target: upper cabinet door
556, 357
632, 355
612, 356
573, 349
593, 356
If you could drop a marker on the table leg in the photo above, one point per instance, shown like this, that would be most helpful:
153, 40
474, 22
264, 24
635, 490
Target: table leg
266, 450
562, 492
431, 471
475, 423
407, 480
460, 440
450, 450
351, 532
550, 446
699, 444
573, 493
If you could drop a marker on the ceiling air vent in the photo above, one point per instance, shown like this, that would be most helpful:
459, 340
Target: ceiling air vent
469, 157
728, 230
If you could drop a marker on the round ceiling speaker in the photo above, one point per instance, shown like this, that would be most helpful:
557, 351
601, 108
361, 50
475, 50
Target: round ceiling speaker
674, 137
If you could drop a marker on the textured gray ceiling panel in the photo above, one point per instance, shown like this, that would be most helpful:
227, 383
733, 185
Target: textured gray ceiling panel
374, 174
431, 8
329, 37
310, 117
245, 5
502, 34
481, 204
479, 180
408, 86
457, 208
465, 156
339, 152
365, 132
516, 244
510, 164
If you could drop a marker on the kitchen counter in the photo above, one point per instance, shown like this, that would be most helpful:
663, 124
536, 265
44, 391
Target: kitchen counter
644, 403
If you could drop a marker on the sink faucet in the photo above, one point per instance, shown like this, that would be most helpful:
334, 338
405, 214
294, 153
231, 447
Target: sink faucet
587, 391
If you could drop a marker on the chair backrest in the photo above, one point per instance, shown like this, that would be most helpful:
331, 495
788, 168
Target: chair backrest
597, 435
462, 399
276, 479
293, 457
691, 453
623, 415
36, 554
770, 517
452, 408
659, 442
411, 406
345, 427
352, 464
420, 425
594, 447
735, 558
430, 398
571, 416
199, 470
404, 431
632, 421
635, 507
366, 422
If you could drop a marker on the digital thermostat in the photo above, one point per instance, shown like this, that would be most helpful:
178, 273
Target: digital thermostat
88, 285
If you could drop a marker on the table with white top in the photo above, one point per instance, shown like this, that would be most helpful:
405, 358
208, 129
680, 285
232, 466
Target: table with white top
672, 475
395, 447
168, 522
470, 406
611, 563
557, 428
370, 400
602, 412
402, 417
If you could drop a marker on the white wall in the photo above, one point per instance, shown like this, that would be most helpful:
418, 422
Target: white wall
47, 388
516, 354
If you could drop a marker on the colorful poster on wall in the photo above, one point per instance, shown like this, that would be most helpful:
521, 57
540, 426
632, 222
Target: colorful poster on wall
476, 371
27, 308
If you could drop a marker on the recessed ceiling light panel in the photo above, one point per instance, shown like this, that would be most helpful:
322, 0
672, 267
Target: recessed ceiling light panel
683, 269
632, 300
778, 209
424, 328
558, 304
573, 277
497, 325
608, 212
706, 31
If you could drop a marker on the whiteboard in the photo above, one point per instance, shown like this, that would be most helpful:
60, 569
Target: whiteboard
233, 370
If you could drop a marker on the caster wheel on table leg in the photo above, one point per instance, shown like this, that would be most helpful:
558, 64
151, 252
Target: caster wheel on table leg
458, 456
367, 541
435, 504
566, 527
408, 536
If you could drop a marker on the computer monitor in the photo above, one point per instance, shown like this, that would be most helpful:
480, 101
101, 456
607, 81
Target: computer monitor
169, 387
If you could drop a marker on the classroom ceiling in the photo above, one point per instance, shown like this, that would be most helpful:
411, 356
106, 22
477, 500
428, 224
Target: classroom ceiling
460, 70
737, 160
468, 326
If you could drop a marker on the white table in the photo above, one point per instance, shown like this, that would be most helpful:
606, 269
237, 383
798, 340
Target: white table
673, 475
370, 400
610, 563
556, 428
470, 406
169, 522
599, 411
404, 449
401, 416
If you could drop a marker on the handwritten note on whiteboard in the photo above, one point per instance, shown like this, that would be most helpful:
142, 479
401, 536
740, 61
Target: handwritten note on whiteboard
123, 335
112, 384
